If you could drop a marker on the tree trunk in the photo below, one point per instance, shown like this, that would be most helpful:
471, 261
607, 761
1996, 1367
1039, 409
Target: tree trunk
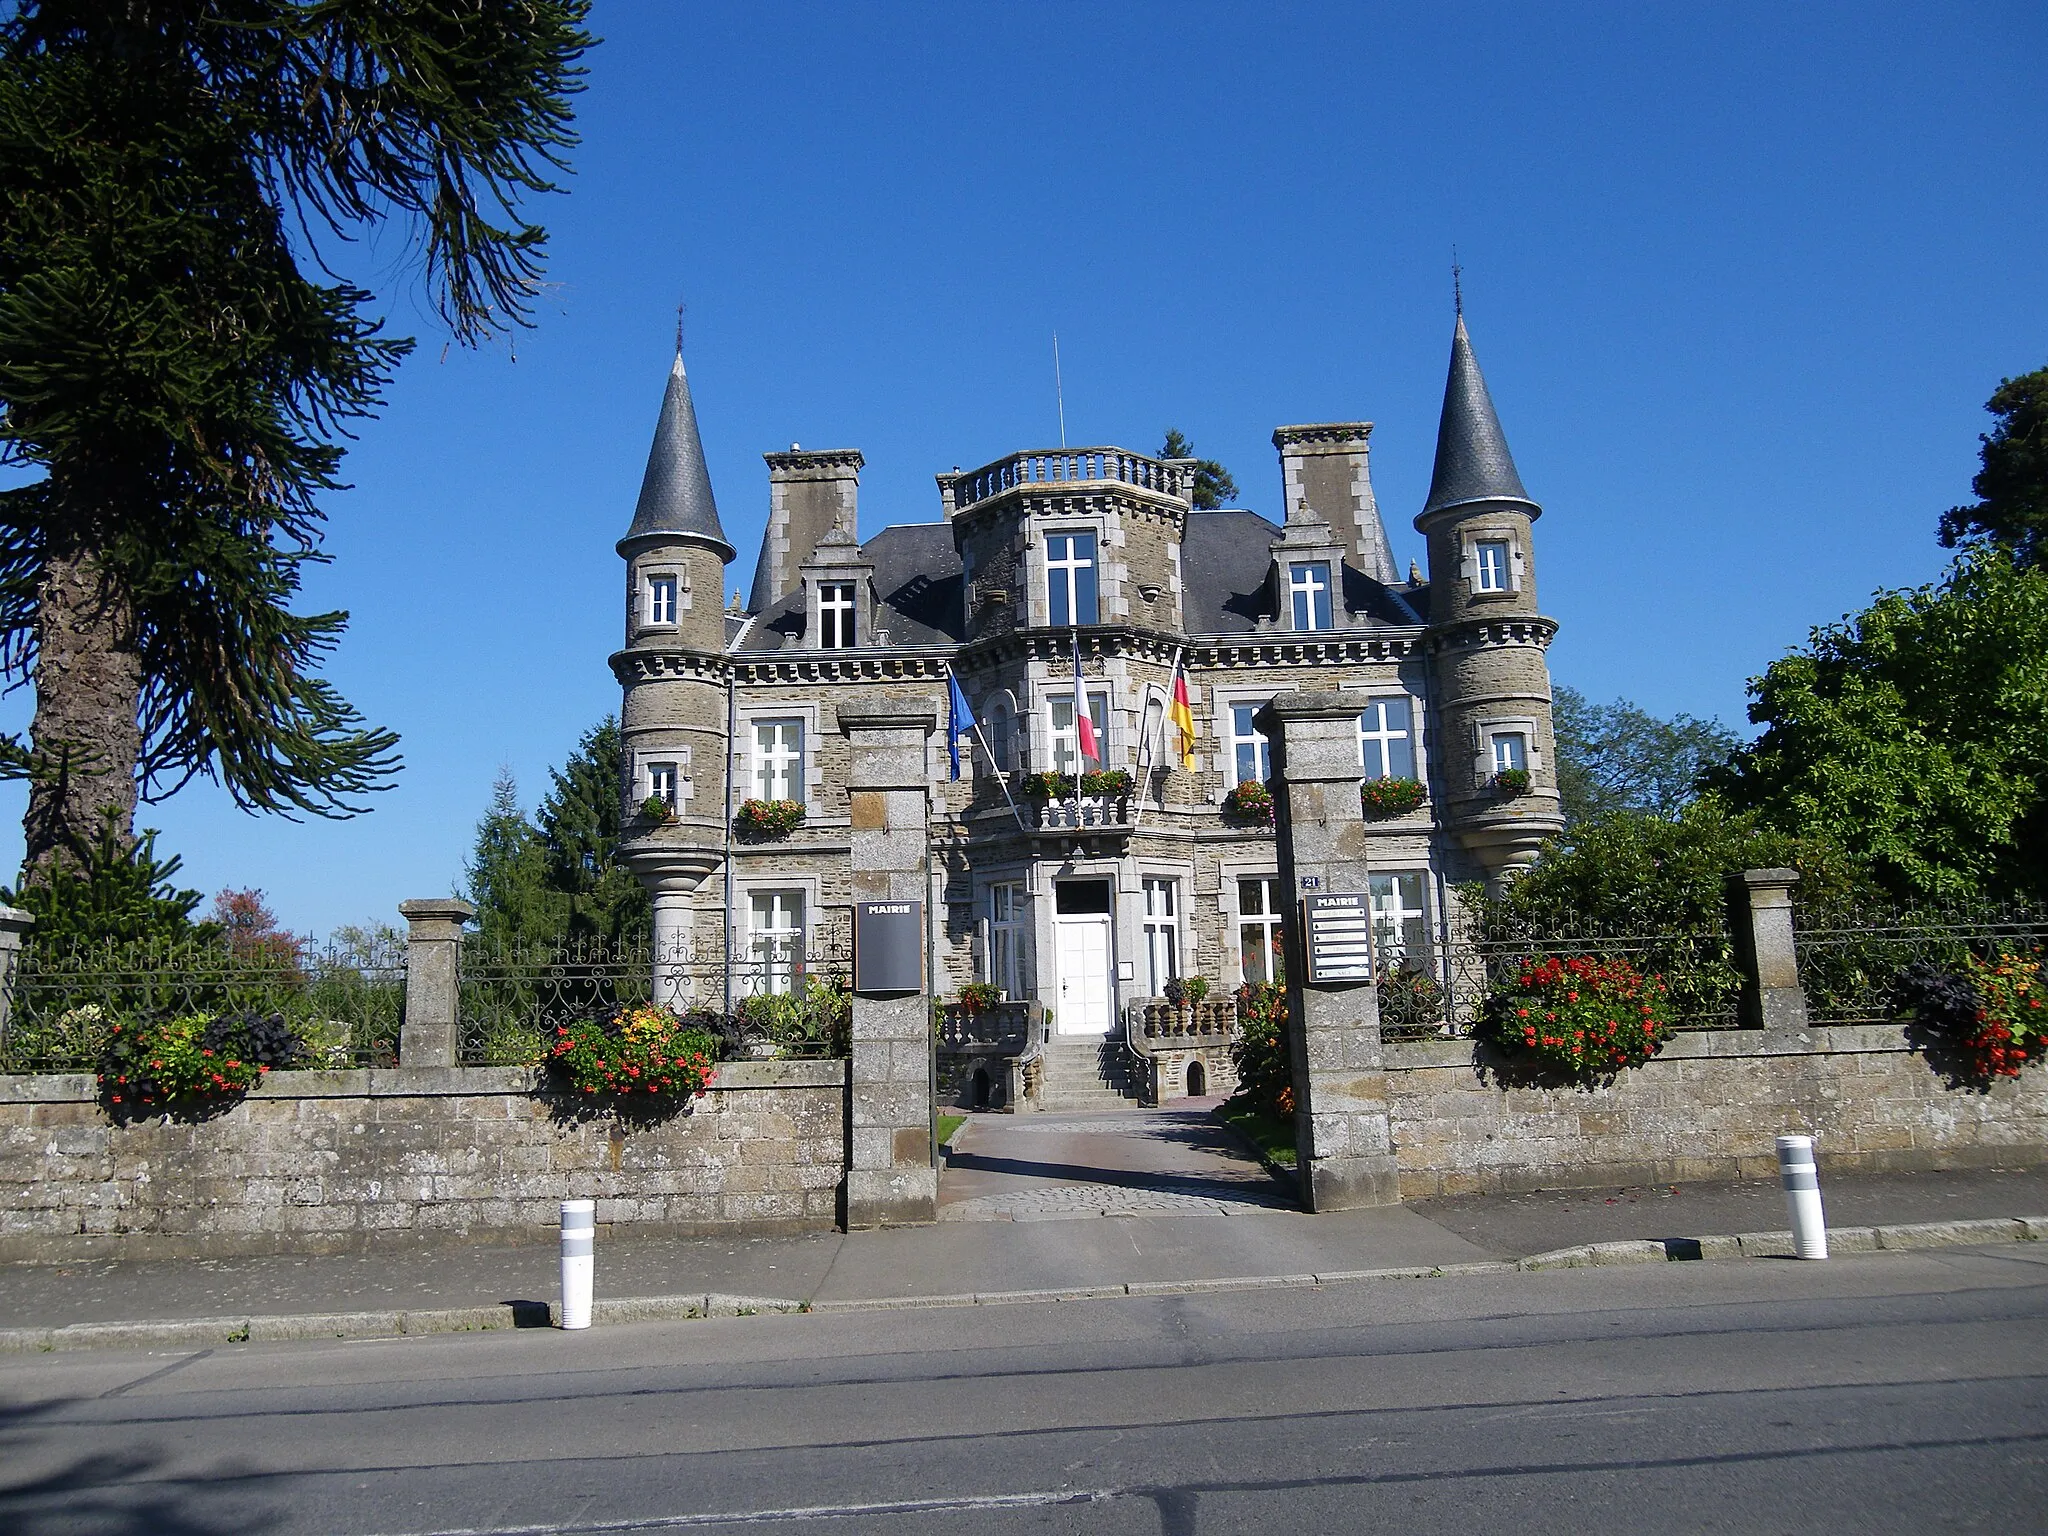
85, 737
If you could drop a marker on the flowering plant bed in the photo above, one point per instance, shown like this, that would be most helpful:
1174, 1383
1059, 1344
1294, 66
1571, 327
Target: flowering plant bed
1251, 800
193, 1057
769, 818
1381, 798
1113, 783
641, 1050
978, 996
1994, 1012
1583, 1016
1259, 1051
1047, 785
1511, 782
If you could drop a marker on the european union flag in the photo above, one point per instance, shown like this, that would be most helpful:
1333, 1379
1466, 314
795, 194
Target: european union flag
959, 718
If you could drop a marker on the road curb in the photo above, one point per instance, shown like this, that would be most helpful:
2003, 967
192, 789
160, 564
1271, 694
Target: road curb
207, 1332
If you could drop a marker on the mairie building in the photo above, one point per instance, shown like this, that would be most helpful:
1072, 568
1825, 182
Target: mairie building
1083, 886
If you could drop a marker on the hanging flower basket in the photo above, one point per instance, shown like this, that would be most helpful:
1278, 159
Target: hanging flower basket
640, 1052
657, 811
1992, 1014
195, 1058
1511, 782
1250, 800
1382, 798
769, 818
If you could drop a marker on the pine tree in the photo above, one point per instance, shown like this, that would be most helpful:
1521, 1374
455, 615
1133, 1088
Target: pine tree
508, 876
579, 824
181, 383
1213, 485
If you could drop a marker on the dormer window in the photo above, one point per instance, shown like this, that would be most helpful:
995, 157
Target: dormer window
835, 615
660, 607
1490, 566
1308, 591
1070, 579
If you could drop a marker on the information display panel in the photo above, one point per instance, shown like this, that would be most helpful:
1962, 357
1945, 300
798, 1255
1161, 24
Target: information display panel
1338, 930
888, 946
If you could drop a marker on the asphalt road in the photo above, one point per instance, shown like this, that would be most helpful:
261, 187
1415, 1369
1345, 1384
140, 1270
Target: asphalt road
1900, 1392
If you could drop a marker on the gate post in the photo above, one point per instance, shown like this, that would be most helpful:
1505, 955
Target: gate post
891, 1179
1343, 1132
1772, 999
431, 1033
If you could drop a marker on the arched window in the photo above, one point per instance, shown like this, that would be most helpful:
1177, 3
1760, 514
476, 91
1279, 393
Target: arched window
1002, 732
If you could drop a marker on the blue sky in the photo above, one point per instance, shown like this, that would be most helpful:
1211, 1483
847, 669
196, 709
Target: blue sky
1740, 278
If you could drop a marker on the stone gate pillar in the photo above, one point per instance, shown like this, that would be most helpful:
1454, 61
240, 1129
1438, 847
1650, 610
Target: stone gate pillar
1342, 1127
431, 1035
1772, 998
890, 1176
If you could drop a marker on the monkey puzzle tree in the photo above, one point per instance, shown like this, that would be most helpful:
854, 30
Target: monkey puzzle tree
168, 168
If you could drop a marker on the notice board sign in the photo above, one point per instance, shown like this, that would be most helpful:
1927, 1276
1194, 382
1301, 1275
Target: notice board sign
888, 946
1339, 934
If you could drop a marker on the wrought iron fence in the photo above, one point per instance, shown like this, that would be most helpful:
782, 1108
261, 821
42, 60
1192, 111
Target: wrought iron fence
1851, 963
1446, 995
345, 1001
512, 1000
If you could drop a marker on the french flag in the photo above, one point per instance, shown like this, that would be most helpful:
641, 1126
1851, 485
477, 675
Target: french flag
1084, 727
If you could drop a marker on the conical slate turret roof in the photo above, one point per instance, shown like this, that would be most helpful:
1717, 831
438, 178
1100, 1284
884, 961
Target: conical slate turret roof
675, 495
1472, 458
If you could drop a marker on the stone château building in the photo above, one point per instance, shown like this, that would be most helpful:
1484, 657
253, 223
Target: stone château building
1091, 902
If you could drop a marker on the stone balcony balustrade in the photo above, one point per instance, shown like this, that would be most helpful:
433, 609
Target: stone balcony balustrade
1088, 813
1155, 1025
1076, 467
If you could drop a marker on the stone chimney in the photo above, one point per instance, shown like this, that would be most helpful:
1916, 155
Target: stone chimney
809, 494
1324, 464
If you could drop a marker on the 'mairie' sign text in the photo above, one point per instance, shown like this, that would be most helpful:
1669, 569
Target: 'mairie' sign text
1339, 932
888, 946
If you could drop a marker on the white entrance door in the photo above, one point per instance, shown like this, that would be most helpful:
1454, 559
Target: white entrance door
1082, 945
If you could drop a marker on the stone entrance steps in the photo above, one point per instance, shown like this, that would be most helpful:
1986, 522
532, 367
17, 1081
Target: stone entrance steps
1085, 1072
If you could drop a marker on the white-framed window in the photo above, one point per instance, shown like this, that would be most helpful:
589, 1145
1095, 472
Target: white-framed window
661, 780
1066, 745
1308, 593
1006, 918
1260, 916
1070, 585
1251, 760
1400, 921
779, 760
775, 940
659, 602
1510, 751
1162, 933
835, 615
1386, 738
1490, 566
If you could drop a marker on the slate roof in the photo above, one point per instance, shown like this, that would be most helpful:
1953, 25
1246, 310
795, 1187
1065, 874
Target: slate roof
675, 493
917, 587
1224, 561
1472, 458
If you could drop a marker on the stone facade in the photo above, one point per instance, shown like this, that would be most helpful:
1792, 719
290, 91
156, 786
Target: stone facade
1047, 562
334, 1161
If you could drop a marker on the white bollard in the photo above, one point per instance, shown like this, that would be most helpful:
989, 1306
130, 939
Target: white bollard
1801, 1178
579, 1260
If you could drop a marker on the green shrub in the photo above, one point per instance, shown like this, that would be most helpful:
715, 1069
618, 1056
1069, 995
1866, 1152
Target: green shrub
194, 1056
1259, 1050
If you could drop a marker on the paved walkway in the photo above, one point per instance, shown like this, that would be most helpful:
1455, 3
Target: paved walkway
1173, 1160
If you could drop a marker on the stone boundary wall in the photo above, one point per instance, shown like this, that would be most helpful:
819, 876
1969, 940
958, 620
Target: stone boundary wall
314, 1162
1708, 1107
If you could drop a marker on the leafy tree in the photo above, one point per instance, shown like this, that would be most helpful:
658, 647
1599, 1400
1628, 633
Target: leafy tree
119, 893
579, 826
250, 929
1618, 757
2012, 487
508, 875
1213, 485
180, 382
1911, 734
